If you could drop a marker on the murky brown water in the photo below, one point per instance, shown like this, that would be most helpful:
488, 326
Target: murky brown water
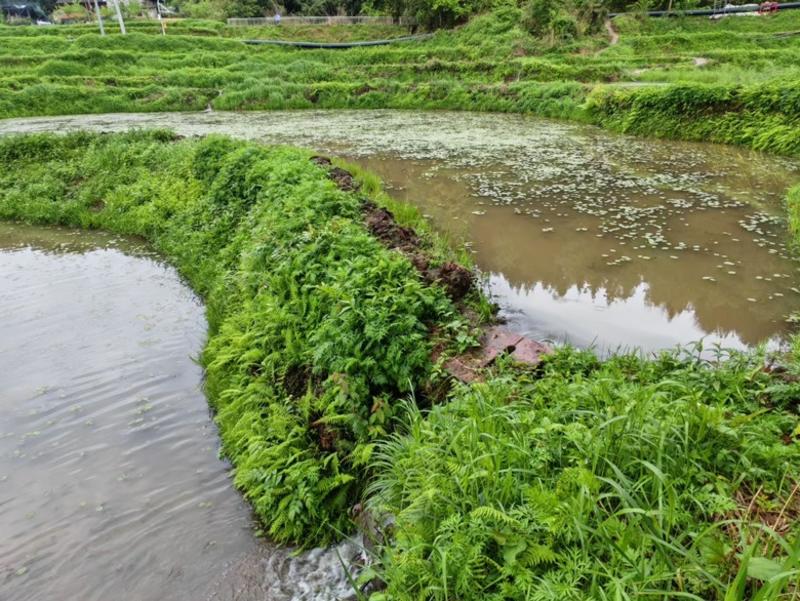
110, 482
584, 236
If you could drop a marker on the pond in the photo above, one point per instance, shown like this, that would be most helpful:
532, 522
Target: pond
583, 236
110, 482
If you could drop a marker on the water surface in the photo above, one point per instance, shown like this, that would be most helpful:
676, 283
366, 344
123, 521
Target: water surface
110, 482
584, 236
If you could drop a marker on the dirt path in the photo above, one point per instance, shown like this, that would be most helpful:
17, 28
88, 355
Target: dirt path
613, 35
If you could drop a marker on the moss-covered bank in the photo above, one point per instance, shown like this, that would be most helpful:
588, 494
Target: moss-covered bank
630, 478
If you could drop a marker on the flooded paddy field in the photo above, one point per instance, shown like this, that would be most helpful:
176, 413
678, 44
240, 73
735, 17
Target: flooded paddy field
583, 236
110, 482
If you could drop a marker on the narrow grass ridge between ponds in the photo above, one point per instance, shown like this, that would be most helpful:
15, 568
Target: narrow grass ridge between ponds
674, 477
316, 328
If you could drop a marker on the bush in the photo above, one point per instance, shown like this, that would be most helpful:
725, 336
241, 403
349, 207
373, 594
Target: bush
538, 15
205, 9
564, 27
73, 13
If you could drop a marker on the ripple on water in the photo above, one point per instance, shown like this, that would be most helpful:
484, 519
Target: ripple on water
110, 483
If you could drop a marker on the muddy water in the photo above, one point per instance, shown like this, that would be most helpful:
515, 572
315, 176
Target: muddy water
110, 481
583, 236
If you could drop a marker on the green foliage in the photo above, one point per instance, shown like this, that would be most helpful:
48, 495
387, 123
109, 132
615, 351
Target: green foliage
539, 14
764, 117
609, 480
793, 206
315, 329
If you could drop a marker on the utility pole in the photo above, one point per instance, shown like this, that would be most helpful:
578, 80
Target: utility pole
99, 18
119, 17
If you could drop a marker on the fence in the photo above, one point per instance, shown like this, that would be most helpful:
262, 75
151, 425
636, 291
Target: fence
255, 21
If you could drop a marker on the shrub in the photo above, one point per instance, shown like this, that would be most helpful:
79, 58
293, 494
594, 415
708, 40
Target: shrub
538, 15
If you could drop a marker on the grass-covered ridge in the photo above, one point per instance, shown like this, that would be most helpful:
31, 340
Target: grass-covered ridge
673, 478
731, 81
315, 328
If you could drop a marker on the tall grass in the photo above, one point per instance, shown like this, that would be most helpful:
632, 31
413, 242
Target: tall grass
629, 479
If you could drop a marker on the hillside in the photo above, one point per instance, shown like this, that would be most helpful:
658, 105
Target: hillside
729, 81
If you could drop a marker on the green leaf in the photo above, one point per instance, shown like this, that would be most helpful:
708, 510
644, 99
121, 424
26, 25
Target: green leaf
763, 568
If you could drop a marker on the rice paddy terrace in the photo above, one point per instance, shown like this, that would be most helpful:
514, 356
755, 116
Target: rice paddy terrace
333, 308
728, 81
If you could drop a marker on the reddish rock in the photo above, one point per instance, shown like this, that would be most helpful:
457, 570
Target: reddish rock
464, 369
497, 341
529, 351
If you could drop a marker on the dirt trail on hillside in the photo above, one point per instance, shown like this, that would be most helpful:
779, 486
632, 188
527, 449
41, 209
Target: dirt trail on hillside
613, 35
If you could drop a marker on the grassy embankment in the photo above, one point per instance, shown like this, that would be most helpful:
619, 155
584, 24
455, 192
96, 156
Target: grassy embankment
624, 479
212, 28
744, 91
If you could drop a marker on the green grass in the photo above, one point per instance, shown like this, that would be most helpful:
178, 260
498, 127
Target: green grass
648, 84
628, 479
672, 478
793, 206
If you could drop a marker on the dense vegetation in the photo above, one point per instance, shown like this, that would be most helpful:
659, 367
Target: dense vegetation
428, 13
629, 479
730, 81
672, 478
625, 479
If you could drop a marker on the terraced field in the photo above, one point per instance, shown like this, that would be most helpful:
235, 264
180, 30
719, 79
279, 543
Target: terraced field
729, 81
334, 309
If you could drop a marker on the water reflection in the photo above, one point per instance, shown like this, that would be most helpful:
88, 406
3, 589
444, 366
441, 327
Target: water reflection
590, 318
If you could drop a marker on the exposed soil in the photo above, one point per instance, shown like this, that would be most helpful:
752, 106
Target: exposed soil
761, 508
343, 178
321, 161
455, 279
326, 436
296, 379
381, 223
613, 36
